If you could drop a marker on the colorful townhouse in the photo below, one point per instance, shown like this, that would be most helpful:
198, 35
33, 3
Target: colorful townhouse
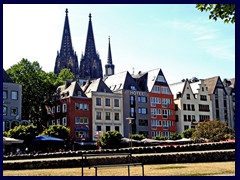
161, 103
136, 114
192, 104
107, 108
73, 109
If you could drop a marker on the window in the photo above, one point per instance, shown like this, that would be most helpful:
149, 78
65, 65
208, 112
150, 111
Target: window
14, 111
80, 106
189, 117
184, 107
77, 120
132, 112
64, 121
204, 108
165, 90
64, 108
132, 100
142, 110
107, 116
142, 99
116, 102
203, 98
185, 117
14, 95
98, 115
99, 128
117, 128
116, 116
193, 107
58, 121
143, 122
107, 102
108, 128
5, 94
156, 89
5, 111
160, 78
98, 101
189, 107
186, 127
58, 108
53, 109
188, 96
53, 122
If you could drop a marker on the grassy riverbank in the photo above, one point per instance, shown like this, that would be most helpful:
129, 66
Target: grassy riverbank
185, 169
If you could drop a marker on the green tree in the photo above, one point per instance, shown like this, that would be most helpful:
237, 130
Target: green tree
226, 12
58, 131
188, 133
31, 77
111, 139
26, 133
137, 136
214, 131
37, 88
65, 74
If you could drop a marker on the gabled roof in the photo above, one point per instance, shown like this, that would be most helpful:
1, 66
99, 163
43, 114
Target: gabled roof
120, 81
152, 76
211, 84
97, 86
195, 86
177, 88
146, 80
70, 89
6, 77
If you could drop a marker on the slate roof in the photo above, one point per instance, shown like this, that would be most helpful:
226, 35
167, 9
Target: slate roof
211, 83
70, 89
6, 77
176, 88
97, 86
120, 81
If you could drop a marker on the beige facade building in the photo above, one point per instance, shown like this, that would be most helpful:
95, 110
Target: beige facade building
192, 104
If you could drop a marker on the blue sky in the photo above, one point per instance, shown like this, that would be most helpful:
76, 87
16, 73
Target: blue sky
179, 39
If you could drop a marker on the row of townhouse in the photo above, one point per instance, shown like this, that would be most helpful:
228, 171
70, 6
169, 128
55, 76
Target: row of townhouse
205, 99
130, 104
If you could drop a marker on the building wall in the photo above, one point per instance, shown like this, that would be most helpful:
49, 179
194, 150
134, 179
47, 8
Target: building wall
105, 123
11, 117
136, 110
80, 130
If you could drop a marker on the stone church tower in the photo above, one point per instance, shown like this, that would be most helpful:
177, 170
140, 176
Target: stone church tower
67, 57
90, 64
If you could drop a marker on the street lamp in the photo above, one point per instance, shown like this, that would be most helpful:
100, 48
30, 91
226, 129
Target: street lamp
130, 129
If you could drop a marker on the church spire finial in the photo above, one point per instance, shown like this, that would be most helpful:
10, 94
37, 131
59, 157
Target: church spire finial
66, 11
90, 16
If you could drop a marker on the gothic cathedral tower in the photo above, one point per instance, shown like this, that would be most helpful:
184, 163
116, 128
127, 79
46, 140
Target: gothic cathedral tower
90, 64
109, 67
67, 58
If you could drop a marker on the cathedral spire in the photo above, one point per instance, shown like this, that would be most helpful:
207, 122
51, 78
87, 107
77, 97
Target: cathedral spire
109, 67
90, 65
109, 61
90, 49
67, 58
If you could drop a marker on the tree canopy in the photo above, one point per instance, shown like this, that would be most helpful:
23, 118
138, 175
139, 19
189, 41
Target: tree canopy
226, 12
111, 139
37, 88
57, 131
214, 131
